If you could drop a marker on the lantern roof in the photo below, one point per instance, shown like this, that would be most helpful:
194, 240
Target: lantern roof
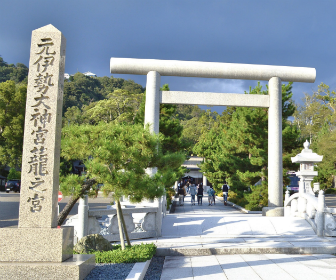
307, 155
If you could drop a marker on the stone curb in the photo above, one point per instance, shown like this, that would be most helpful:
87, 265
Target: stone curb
138, 271
241, 209
244, 250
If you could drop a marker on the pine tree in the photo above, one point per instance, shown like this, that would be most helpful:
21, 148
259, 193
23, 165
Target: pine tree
236, 149
116, 155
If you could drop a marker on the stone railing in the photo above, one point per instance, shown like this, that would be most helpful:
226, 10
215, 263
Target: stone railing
142, 221
314, 210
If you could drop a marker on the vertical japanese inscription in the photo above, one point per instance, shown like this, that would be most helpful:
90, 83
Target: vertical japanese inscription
40, 161
40, 118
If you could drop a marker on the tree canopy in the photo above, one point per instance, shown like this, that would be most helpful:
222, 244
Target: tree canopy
12, 114
316, 119
17, 73
116, 156
236, 148
81, 90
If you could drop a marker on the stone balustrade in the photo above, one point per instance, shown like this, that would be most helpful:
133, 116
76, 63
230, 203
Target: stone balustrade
313, 209
141, 221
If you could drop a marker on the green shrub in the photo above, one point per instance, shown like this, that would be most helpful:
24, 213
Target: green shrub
254, 200
330, 191
253, 207
232, 196
169, 201
169, 194
13, 174
131, 254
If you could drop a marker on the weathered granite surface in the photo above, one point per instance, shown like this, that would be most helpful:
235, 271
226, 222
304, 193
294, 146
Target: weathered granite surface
37, 249
273, 211
42, 138
36, 244
77, 267
91, 242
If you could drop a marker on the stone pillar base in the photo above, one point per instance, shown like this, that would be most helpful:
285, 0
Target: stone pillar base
36, 244
41, 253
77, 267
273, 211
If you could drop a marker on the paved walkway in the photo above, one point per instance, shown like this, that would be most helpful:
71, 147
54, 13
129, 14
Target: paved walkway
210, 230
250, 267
219, 242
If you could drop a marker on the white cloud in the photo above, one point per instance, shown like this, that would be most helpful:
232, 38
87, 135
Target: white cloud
221, 86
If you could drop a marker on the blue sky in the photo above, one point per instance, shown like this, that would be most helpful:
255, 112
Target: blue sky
290, 33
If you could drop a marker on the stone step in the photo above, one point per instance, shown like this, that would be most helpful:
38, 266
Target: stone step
242, 244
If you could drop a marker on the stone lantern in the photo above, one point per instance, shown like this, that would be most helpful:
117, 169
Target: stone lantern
306, 173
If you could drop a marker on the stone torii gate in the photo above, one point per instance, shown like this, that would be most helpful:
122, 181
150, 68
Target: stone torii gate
154, 69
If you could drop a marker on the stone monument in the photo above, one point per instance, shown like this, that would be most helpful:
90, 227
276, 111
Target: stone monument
37, 249
307, 160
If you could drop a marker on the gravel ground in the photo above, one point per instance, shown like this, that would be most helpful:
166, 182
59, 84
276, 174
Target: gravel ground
119, 271
155, 269
115, 271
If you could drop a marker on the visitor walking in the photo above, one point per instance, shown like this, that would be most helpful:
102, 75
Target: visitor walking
225, 189
185, 191
211, 194
181, 196
193, 192
199, 194
214, 196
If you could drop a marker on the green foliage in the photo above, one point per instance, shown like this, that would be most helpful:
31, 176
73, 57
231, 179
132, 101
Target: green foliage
316, 120
12, 114
236, 149
172, 144
75, 251
131, 254
73, 115
13, 174
257, 198
322, 145
170, 193
330, 191
71, 184
18, 73
89, 100
116, 155
317, 112
170, 127
120, 105
81, 91
195, 122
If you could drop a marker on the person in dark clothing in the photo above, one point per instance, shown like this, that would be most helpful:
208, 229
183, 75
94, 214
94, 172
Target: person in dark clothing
225, 189
214, 196
181, 196
199, 194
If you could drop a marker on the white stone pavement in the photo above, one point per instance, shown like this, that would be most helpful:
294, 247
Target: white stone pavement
219, 242
250, 267
219, 229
